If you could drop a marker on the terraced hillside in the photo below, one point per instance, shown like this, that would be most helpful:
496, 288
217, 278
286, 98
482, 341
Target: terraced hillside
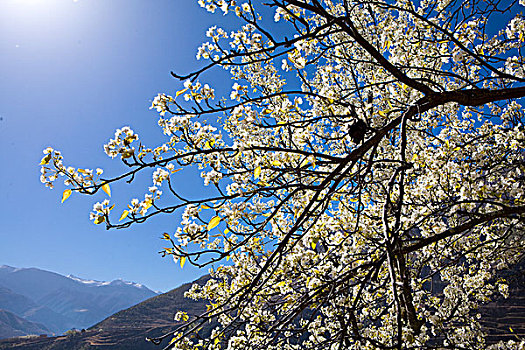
505, 318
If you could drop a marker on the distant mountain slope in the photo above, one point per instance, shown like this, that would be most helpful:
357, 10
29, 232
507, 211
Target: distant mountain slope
12, 325
14, 302
26, 308
61, 302
126, 329
34, 283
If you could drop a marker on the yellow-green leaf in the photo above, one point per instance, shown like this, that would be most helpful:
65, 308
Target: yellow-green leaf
313, 244
182, 261
276, 163
180, 92
213, 222
304, 163
100, 220
124, 215
257, 172
105, 188
65, 195
46, 159
166, 236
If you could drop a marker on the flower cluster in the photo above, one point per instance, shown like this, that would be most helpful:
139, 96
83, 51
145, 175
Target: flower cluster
82, 179
213, 5
197, 91
238, 91
100, 211
161, 103
121, 144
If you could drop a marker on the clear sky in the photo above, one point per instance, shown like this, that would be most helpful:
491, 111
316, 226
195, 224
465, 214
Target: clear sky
71, 72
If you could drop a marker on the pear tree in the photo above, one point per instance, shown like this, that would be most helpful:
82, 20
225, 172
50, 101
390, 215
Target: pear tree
366, 173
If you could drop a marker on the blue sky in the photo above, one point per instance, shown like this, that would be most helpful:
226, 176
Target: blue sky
71, 72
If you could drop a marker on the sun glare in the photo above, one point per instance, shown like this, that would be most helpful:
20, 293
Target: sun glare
29, 11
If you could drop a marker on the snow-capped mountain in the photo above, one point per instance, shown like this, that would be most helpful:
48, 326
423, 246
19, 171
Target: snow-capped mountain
64, 302
95, 283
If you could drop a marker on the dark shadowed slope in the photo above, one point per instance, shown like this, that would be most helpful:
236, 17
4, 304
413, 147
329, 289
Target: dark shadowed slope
505, 318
